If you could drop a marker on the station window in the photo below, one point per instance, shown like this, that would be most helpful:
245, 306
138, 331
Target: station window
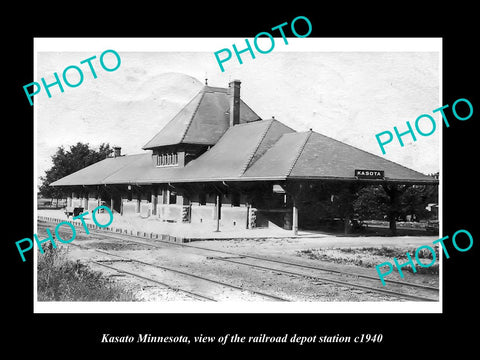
167, 159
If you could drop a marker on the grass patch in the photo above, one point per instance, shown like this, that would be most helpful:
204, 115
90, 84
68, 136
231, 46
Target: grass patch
399, 253
372, 256
59, 279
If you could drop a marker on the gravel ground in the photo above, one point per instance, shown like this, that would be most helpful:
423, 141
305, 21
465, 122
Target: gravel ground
288, 249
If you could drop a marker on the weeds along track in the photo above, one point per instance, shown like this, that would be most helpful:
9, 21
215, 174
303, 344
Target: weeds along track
363, 282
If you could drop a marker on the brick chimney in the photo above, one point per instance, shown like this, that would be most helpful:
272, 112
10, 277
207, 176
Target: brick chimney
117, 151
234, 97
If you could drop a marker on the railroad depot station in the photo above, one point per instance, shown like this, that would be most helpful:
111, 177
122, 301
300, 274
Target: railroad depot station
218, 165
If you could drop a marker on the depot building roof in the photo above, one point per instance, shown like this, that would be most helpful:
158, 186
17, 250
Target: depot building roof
252, 151
243, 149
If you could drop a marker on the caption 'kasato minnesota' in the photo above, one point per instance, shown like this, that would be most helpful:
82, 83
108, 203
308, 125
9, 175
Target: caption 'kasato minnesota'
107, 338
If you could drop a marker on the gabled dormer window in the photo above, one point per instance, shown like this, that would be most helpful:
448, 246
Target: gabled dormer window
166, 159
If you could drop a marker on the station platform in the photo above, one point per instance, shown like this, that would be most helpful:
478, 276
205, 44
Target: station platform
155, 229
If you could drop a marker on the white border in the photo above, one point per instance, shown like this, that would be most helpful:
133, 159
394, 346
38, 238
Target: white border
215, 44
264, 307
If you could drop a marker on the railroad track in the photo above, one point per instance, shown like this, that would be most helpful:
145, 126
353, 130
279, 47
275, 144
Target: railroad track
220, 288
351, 279
323, 279
322, 275
165, 285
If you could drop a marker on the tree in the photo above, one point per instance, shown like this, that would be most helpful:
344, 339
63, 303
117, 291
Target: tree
395, 201
416, 198
66, 162
371, 203
395, 193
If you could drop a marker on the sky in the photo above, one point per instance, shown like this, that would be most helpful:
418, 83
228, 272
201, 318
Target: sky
344, 93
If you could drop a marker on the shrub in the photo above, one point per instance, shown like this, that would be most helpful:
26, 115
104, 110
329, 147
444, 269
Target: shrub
59, 279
